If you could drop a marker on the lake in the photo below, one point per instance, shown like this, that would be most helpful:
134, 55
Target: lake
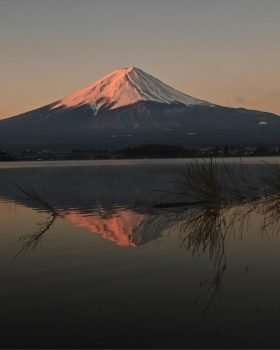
87, 259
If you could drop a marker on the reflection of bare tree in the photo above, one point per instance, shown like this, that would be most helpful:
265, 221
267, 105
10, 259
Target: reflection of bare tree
215, 201
204, 231
270, 202
31, 241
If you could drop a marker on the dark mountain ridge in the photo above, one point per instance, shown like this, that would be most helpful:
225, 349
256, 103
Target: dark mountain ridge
130, 118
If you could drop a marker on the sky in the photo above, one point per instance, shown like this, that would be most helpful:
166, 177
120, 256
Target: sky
223, 51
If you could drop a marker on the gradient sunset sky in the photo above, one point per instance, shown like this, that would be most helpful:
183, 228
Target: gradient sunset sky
222, 51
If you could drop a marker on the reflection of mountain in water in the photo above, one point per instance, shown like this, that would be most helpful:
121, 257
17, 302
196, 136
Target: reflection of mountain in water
125, 227
119, 226
113, 201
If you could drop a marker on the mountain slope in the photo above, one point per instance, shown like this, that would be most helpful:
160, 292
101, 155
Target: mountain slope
129, 107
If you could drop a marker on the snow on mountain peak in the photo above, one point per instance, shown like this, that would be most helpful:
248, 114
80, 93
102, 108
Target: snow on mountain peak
126, 86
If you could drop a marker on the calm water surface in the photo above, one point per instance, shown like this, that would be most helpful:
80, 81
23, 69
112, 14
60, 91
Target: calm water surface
87, 261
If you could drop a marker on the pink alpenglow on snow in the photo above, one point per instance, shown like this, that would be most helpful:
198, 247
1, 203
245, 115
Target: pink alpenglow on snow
126, 86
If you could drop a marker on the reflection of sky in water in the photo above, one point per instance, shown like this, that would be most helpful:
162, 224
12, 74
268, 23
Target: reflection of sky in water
78, 288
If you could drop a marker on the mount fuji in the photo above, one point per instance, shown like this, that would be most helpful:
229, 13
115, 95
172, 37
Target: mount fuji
129, 107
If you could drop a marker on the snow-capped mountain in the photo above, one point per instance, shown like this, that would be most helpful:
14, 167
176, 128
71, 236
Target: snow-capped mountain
123, 87
129, 107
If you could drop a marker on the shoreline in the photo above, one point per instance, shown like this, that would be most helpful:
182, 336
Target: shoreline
275, 159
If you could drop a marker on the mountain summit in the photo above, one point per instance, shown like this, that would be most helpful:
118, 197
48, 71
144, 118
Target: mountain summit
129, 107
126, 86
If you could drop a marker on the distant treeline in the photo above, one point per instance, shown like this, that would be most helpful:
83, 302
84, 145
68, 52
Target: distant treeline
144, 151
155, 151
170, 151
